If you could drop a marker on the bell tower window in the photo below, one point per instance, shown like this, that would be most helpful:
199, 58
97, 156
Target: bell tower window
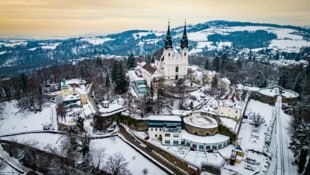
184, 53
177, 69
168, 54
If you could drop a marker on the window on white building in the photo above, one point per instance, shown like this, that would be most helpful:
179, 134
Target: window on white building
167, 141
201, 147
175, 142
167, 135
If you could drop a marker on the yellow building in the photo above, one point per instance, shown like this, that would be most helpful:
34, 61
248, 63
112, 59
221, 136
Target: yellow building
73, 91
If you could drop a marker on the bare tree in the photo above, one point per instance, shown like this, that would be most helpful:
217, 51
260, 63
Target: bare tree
117, 165
96, 157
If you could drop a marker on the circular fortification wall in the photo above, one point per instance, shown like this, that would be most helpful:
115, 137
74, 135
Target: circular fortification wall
200, 124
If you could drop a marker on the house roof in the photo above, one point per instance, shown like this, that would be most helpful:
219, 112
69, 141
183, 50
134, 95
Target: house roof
158, 53
149, 68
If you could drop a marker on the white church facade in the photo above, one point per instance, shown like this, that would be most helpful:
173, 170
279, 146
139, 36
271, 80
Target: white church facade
170, 64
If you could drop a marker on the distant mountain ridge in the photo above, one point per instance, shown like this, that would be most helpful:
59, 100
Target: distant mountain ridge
203, 38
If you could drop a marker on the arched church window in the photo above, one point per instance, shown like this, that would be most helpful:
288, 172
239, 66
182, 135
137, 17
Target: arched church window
184, 53
168, 54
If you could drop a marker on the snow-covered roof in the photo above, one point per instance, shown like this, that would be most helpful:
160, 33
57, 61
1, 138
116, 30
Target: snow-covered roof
71, 97
218, 138
165, 118
201, 121
225, 80
113, 108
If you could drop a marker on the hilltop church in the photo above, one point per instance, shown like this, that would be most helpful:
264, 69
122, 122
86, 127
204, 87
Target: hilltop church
170, 64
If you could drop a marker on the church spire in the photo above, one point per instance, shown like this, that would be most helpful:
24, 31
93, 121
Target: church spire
184, 40
168, 40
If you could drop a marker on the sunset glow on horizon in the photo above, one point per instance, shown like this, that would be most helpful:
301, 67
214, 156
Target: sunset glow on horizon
47, 18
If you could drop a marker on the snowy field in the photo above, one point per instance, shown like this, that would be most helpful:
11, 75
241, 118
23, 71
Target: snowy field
96, 41
43, 141
12, 120
136, 162
287, 39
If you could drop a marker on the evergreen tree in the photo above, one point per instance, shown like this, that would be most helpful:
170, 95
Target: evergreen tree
207, 64
80, 123
214, 84
119, 78
223, 62
283, 80
114, 70
216, 64
239, 64
300, 143
24, 81
99, 62
131, 61
83, 145
107, 80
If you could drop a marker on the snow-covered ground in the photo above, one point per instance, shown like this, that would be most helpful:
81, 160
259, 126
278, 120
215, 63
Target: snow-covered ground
43, 141
7, 169
287, 39
253, 141
193, 157
136, 161
95, 40
13, 120
230, 123
49, 46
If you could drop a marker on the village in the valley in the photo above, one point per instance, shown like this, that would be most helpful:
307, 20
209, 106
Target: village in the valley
159, 115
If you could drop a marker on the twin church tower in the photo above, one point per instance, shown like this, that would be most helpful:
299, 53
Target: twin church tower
170, 63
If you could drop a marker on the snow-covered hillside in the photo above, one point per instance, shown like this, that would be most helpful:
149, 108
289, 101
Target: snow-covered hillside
203, 38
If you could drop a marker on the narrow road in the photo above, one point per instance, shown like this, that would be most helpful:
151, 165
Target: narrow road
280, 149
156, 156
284, 154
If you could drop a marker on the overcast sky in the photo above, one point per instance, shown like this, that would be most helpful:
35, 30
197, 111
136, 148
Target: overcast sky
47, 18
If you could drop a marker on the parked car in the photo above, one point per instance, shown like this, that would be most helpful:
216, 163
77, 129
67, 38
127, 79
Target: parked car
47, 126
148, 148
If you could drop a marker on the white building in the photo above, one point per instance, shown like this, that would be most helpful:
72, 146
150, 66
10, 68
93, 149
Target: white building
167, 129
170, 64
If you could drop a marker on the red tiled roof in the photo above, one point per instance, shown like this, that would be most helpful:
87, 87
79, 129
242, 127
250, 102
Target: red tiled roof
149, 68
